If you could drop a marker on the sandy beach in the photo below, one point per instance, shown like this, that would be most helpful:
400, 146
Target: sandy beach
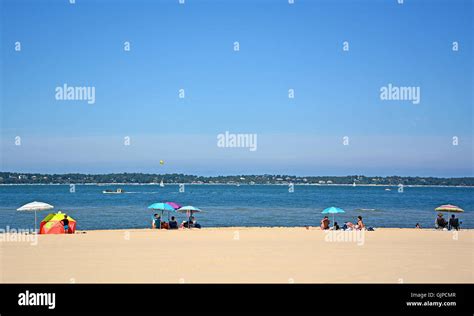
242, 255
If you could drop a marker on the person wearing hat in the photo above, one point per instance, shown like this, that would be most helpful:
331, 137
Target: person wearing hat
440, 222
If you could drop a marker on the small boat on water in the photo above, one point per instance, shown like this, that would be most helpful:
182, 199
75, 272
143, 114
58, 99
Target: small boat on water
162, 185
118, 191
387, 189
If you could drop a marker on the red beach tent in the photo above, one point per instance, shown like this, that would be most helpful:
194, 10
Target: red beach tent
51, 224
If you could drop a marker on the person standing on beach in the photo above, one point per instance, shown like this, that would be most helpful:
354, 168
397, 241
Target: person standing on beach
65, 223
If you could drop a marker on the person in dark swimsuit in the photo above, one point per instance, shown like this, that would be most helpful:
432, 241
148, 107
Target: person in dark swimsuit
65, 223
173, 224
191, 223
441, 222
454, 222
156, 221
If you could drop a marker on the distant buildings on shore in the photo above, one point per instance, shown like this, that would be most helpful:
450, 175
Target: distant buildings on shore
142, 178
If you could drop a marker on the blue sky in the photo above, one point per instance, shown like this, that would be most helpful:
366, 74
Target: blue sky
282, 47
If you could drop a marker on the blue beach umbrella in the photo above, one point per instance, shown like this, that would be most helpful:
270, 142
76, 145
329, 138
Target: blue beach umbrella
162, 207
333, 210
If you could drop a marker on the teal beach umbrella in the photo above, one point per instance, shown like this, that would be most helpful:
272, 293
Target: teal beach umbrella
162, 207
333, 210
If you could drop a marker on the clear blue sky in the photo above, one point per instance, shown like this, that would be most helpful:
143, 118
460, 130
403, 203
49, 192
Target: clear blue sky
282, 46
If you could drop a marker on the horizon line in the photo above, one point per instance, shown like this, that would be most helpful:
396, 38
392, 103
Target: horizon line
235, 175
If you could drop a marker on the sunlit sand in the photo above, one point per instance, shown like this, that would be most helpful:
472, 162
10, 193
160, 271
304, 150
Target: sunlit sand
255, 255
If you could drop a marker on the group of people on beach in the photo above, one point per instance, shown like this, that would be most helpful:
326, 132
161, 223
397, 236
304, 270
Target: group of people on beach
157, 223
325, 224
441, 223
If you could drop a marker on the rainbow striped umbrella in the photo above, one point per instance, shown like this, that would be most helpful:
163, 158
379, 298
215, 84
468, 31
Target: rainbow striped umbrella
449, 208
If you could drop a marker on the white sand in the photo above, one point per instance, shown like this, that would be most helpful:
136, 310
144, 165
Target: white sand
253, 255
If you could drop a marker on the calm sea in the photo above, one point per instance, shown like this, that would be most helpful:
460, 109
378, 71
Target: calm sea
245, 205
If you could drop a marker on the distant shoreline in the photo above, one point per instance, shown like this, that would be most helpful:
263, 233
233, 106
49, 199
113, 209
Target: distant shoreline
245, 184
243, 179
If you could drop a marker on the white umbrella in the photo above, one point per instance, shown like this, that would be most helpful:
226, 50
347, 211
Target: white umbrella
188, 209
36, 206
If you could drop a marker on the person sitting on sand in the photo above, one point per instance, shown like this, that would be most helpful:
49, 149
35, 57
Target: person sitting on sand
191, 223
196, 224
65, 223
359, 226
325, 223
156, 221
440, 222
336, 226
454, 223
417, 225
187, 224
173, 224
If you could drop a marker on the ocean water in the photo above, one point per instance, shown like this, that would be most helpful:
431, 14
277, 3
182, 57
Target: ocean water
245, 205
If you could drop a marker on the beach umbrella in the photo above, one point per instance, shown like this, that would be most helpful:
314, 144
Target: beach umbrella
161, 207
35, 206
449, 208
174, 205
333, 210
189, 210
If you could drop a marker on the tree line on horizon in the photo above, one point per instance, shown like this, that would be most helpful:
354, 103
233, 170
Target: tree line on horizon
78, 178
